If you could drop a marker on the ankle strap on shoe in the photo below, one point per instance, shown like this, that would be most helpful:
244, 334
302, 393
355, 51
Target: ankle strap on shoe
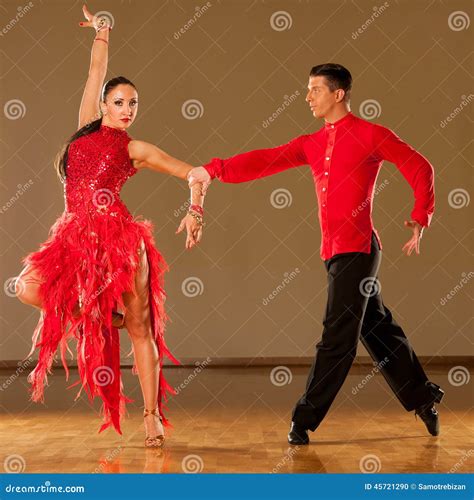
155, 411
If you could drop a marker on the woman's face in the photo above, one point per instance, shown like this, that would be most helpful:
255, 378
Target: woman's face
120, 107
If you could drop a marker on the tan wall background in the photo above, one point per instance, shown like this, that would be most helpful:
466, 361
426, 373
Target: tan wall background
414, 60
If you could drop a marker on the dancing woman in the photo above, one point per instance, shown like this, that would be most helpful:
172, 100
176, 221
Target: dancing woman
99, 260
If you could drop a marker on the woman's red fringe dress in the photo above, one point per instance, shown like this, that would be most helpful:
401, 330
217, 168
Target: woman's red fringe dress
91, 257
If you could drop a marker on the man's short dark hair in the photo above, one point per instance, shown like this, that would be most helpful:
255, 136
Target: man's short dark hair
336, 75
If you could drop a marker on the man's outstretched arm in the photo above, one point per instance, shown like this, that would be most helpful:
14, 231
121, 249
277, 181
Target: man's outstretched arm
253, 164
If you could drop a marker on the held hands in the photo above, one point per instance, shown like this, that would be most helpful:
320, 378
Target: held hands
414, 241
193, 227
199, 175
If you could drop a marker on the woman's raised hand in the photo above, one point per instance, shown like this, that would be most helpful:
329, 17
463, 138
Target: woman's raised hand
92, 21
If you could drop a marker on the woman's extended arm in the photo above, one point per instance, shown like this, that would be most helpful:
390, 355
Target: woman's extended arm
146, 155
90, 109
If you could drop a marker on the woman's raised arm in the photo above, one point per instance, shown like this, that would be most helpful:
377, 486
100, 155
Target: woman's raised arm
90, 109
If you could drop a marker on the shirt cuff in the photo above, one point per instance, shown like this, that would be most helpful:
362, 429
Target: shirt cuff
214, 167
423, 218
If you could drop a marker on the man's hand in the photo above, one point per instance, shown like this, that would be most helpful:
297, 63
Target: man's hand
199, 174
193, 231
414, 241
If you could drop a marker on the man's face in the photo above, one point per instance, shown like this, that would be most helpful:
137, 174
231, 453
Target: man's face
320, 98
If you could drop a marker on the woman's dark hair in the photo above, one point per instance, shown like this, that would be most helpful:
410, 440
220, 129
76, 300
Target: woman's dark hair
60, 163
337, 77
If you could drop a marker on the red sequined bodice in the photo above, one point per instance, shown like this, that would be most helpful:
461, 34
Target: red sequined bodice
98, 166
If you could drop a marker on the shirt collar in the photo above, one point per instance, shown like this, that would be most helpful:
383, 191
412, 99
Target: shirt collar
342, 122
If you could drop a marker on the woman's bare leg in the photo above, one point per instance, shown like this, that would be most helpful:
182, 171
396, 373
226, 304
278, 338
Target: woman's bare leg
138, 324
27, 287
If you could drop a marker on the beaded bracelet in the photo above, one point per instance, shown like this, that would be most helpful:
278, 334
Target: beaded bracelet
197, 217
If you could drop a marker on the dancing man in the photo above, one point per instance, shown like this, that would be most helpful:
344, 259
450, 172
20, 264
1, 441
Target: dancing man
345, 156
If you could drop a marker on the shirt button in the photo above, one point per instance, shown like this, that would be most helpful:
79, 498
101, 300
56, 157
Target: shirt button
326, 173
324, 204
328, 158
324, 189
332, 126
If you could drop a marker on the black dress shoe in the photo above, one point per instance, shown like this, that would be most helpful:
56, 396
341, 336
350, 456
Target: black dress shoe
297, 434
430, 417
